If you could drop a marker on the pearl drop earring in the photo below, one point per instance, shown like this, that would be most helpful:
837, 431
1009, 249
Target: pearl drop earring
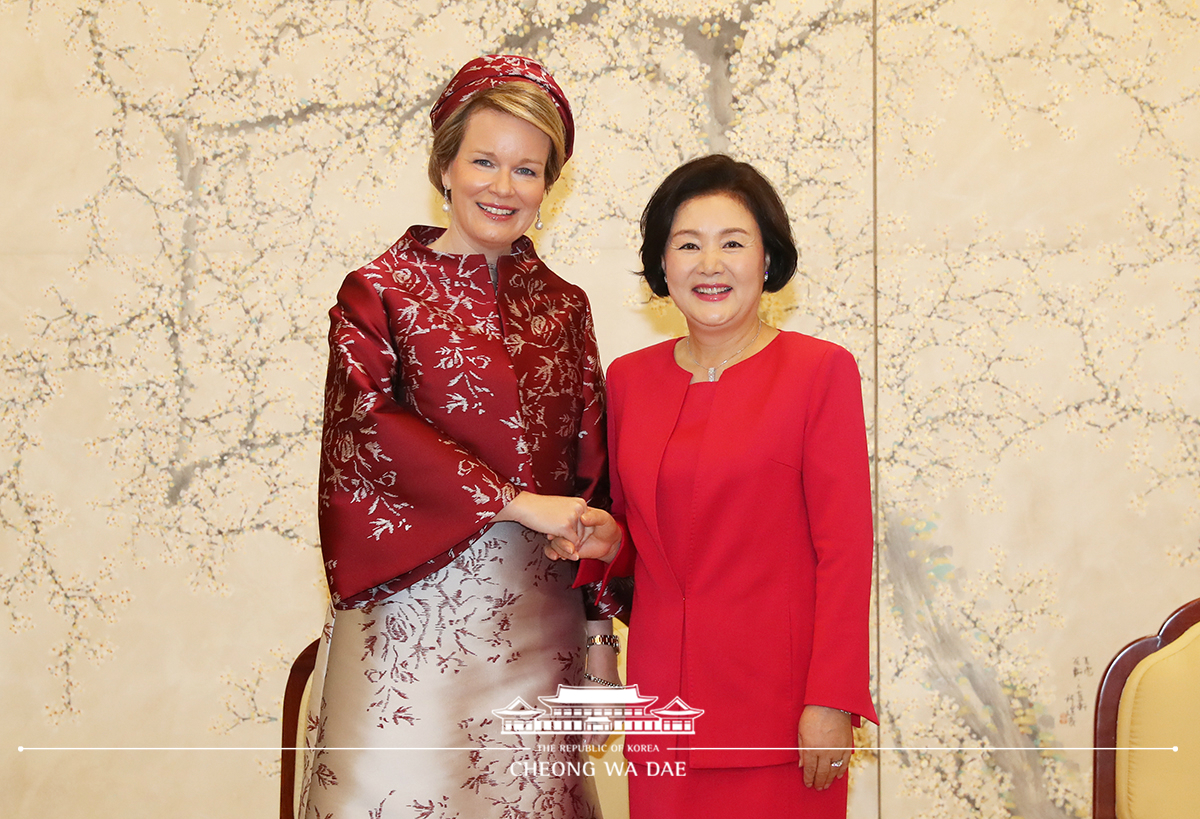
538, 224
446, 201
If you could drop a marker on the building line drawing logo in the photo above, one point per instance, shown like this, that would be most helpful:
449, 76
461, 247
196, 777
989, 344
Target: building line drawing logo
575, 709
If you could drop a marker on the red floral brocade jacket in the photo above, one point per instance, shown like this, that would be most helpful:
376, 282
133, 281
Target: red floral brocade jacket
445, 396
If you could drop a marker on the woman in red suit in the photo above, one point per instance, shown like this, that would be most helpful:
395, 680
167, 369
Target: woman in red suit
742, 507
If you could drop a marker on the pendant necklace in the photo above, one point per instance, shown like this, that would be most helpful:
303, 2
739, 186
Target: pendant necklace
712, 371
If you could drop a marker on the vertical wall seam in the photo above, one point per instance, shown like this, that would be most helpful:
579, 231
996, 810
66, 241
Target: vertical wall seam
875, 392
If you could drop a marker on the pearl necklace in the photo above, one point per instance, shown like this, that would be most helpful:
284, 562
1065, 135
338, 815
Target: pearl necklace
712, 371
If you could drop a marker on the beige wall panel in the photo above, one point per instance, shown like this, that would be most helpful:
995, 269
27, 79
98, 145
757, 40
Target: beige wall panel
220, 168
1038, 388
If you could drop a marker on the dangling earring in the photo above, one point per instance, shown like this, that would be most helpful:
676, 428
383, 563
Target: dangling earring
446, 201
538, 224
766, 274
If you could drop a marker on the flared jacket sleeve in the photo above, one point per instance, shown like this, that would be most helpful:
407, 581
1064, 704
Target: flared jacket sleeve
448, 393
591, 456
596, 575
593, 484
396, 495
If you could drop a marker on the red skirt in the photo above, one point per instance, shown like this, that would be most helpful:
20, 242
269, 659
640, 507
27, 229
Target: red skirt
720, 793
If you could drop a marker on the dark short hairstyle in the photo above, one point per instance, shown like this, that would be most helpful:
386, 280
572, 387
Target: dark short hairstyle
708, 175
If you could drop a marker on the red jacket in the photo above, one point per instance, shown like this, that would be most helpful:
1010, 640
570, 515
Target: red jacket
776, 615
444, 397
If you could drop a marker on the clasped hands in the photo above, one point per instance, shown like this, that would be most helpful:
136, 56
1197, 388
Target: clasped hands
574, 529
597, 538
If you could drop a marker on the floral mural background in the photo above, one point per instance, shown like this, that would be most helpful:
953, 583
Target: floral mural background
998, 206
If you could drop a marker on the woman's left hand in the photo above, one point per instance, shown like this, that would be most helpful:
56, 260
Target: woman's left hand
825, 736
555, 516
600, 541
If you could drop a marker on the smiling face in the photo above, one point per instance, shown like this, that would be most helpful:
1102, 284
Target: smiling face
714, 264
496, 182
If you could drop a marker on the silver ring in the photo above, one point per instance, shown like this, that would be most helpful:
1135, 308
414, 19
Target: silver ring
837, 764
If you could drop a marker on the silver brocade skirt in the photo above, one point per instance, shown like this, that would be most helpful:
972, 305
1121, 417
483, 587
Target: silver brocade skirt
400, 719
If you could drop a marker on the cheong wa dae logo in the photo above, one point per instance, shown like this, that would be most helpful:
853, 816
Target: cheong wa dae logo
577, 709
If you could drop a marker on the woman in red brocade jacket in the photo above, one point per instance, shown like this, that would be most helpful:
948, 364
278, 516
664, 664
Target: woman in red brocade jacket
463, 423
742, 507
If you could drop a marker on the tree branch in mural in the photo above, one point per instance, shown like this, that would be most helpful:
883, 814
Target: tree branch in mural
967, 328
245, 701
965, 643
239, 135
30, 383
252, 144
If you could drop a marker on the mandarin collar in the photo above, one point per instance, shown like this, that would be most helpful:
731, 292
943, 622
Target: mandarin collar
419, 237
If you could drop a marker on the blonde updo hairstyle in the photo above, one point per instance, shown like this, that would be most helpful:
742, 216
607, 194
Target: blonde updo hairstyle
522, 100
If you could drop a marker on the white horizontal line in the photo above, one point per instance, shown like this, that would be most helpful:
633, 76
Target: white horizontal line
23, 748
980, 749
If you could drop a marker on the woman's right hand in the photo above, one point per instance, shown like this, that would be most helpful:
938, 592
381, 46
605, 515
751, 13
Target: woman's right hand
555, 516
600, 541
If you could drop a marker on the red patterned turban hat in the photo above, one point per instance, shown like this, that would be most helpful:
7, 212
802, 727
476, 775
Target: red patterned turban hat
497, 69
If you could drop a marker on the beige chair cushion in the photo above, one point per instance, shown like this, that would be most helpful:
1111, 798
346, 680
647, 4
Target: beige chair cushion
1160, 707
